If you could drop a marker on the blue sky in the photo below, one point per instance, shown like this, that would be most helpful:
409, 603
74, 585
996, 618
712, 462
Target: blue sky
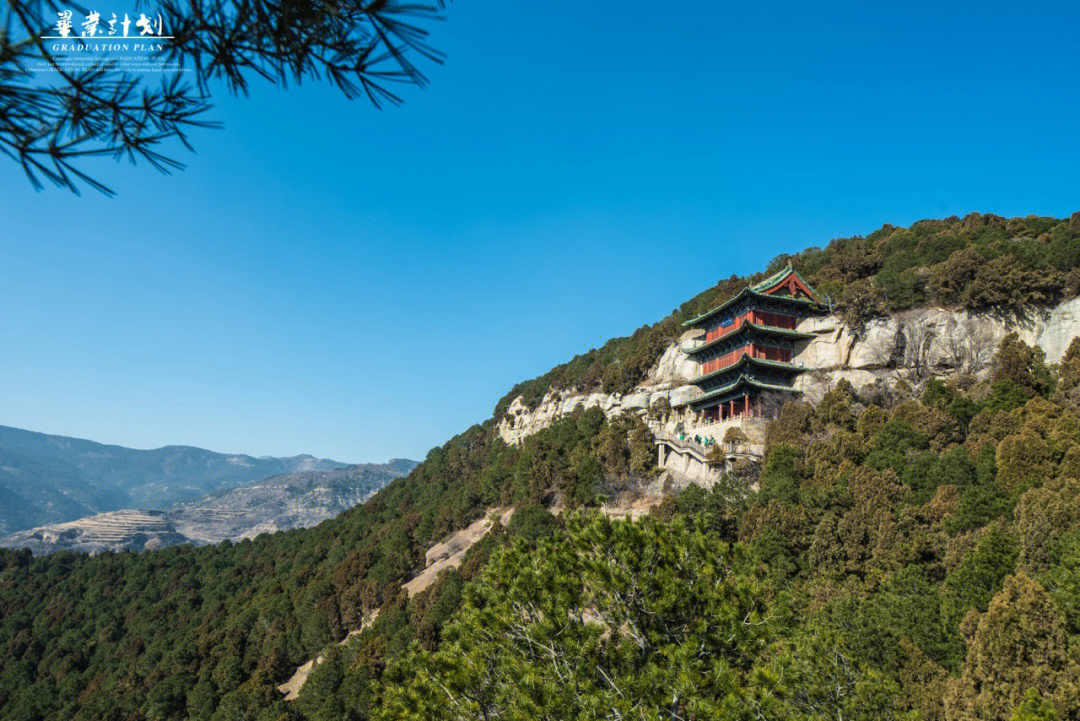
361, 284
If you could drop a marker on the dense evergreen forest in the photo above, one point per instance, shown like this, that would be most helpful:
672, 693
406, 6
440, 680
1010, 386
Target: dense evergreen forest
912, 554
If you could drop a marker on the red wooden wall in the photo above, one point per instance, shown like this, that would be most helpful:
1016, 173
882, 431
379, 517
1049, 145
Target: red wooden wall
755, 351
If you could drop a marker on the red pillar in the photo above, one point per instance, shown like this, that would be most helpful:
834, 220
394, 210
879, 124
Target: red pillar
746, 404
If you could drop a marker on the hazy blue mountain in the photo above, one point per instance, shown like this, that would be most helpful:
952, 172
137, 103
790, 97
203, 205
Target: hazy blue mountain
52, 479
293, 500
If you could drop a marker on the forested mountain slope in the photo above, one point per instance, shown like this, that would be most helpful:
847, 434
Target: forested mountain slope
908, 555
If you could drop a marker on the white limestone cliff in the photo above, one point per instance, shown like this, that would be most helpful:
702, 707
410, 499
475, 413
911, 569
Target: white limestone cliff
935, 338
669, 378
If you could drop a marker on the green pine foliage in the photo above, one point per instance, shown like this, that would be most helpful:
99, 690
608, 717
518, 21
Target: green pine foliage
915, 556
606, 619
208, 633
891, 564
886, 563
979, 262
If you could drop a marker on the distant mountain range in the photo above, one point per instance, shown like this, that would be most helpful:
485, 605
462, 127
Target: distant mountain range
46, 479
294, 500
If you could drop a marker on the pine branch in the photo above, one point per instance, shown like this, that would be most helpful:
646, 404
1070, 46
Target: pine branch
362, 47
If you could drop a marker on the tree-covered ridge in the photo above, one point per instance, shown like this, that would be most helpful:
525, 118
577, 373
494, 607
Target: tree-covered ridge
202, 632
979, 262
917, 558
908, 554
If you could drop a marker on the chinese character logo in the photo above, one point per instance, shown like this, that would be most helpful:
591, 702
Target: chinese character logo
90, 27
147, 25
63, 25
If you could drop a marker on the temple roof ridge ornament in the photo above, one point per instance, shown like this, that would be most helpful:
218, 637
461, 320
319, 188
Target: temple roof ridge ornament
779, 277
767, 289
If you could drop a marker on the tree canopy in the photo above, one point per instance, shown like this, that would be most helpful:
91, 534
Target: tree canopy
52, 122
913, 555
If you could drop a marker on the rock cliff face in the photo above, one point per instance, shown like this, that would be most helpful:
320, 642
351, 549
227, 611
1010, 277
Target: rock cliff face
927, 340
667, 379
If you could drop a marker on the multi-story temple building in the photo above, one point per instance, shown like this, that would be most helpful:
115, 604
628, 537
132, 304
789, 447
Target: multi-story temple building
749, 341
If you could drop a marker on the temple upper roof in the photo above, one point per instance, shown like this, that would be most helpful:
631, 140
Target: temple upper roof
777, 279
771, 289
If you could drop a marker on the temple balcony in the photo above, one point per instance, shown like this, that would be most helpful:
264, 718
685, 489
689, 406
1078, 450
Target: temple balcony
700, 455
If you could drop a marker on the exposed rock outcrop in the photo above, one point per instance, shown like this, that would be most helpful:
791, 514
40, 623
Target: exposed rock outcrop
291, 688
445, 554
669, 378
926, 341
932, 340
450, 553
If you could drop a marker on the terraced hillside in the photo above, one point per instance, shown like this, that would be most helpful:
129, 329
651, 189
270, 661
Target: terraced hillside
47, 479
295, 500
116, 530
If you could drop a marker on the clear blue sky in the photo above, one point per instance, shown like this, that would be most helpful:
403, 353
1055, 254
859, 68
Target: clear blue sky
331, 279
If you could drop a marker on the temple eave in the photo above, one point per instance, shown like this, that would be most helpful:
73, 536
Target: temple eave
736, 390
747, 328
749, 360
